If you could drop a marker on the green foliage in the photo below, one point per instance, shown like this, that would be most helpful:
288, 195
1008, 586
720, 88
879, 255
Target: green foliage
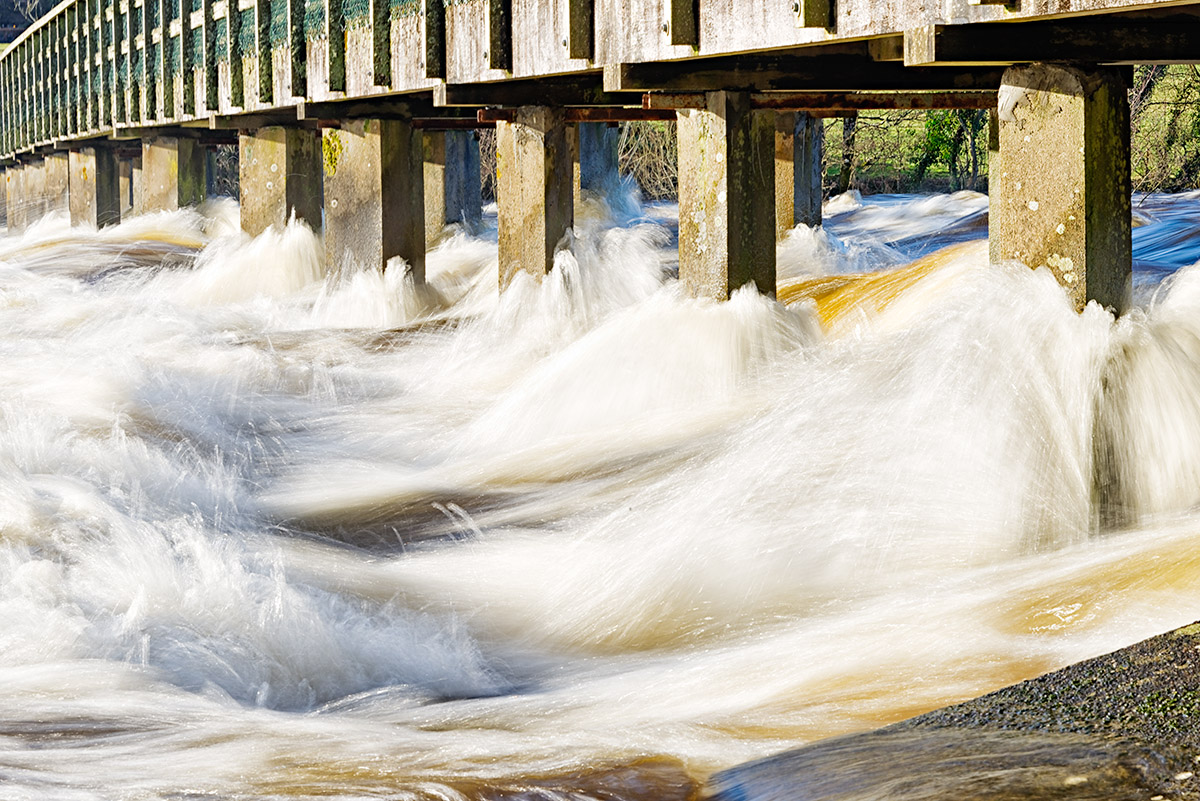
1165, 111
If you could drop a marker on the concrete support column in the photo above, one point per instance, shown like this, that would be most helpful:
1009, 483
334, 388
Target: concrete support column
534, 190
1063, 198
14, 195
799, 150
95, 187
726, 196
374, 195
173, 174
280, 173
453, 186
57, 182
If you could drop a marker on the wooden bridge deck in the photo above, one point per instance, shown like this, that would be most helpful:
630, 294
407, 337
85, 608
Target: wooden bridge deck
115, 68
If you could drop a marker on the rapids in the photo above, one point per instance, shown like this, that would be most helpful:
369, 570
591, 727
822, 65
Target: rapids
275, 528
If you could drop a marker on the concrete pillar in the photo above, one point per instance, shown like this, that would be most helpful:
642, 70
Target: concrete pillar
173, 174
534, 190
726, 196
280, 173
95, 187
14, 186
128, 177
1063, 198
799, 146
453, 186
374, 194
57, 182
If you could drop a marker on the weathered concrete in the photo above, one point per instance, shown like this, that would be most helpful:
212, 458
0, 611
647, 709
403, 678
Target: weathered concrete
534, 190
1063, 198
453, 189
174, 174
1119, 726
280, 173
158, 189
374, 195
726, 196
14, 197
799, 145
129, 176
95, 187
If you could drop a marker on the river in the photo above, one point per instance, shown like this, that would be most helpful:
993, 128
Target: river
271, 528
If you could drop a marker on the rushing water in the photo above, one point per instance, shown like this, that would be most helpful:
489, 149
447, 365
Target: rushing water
274, 528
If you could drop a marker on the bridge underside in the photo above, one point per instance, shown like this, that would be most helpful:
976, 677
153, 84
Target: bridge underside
358, 117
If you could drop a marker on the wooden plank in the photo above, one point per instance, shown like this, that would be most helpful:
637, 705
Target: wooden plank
1173, 39
814, 13
209, 31
381, 43
262, 39
832, 72
583, 90
435, 38
237, 76
581, 22
120, 43
684, 25
187, 44
297, 51
499, 34
150, 67
168, 49
136, 81
448, 124
335, 35
58, 109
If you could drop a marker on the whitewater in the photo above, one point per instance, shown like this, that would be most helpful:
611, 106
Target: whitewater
277, 528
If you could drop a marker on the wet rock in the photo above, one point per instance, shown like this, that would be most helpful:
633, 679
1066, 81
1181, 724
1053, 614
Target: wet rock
1123, 725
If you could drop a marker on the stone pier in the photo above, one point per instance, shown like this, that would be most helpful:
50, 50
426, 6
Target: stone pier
453, 189
94, 187
727, 196
1062, 200
374, 195
280, 175
535, 193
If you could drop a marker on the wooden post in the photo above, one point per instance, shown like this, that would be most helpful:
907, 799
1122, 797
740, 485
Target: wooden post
534, 192
726, 196
280, 174
1063, 199
374, 195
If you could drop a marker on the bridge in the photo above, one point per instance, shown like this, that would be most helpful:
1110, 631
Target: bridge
357, 115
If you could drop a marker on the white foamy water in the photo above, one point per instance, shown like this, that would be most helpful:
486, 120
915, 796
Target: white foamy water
274, 528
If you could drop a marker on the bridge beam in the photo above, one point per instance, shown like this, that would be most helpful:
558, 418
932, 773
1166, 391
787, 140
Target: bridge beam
1073, 219
374, 195
799, 146
280, 175
94, 187
535, 190
453, 186
726, 196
